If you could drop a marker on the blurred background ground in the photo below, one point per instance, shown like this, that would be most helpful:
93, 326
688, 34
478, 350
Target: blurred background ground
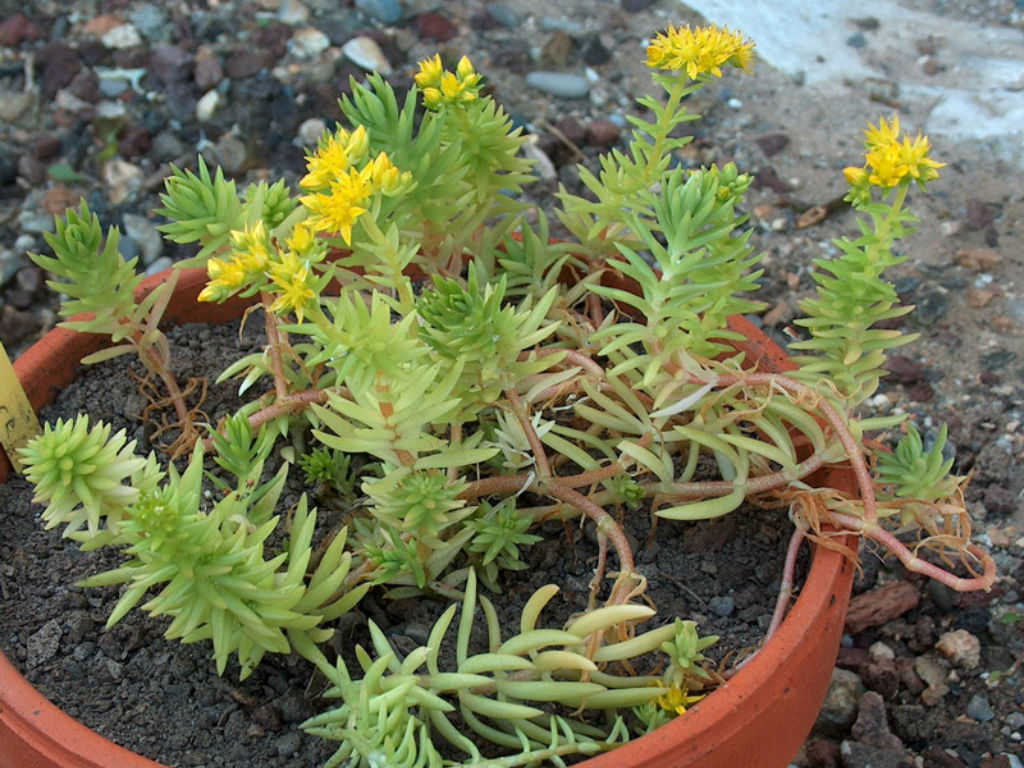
97, 99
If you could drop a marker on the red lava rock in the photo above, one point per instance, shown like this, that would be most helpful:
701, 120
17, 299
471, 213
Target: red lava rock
572, 130
46, 147
98, 26
904, 370
882, 677
874, 608
169, 62
979, 259
86, 86
937, 757
207, 70
996, 761
60, 64
980, 214
246, 63
822, 753
988, 378
58, 199
852, 658
483, 21
134, 143
908, 677
17, 28
433, 26
872, 725
273, 39
921, 393
602, 133
772, 143
999, 501
767, 177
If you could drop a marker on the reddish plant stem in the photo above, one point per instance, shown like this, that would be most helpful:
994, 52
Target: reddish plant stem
274, 347
915, 564
287, 404
540, 456
156, 362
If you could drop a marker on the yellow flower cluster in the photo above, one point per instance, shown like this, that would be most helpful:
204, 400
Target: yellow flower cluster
248, 260
348, 191
889, 162
699, 51
336, 154
254, 262
441, 87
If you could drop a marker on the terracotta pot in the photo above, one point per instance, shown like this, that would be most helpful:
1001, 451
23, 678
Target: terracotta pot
758, 719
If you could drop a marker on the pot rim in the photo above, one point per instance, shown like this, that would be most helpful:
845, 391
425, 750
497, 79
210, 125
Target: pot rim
26, 714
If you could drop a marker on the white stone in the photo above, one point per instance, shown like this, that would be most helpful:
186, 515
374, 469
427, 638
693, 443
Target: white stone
123, 36
123, 178
293, 13
308, 43
365, 52
207, 105
311, 130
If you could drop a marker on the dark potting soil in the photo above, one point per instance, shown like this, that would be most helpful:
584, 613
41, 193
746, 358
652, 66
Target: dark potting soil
164, 699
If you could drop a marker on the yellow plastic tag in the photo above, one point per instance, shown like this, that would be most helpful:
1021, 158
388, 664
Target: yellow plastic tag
18, 422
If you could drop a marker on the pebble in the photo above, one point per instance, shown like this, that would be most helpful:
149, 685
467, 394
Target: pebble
311, 130
231, 154
35, 221
43, 644
433, 26
722, 606
10, 264
151, 21
388, 11
979, 708
365, 52
288, 744
308, 43
15, 104
121, 37
207, 105
1015, 719
839, 709
505, 14
24, 244
543, 166
561, 84
122, 178
292, 13
207, 70
145, 234
960, 647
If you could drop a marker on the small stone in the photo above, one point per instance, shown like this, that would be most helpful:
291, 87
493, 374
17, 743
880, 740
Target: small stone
308, 43
60, 64
170, 63
365, 52
292, 13
960, 647
853, 753
933, 674
636, 5
857, 40
904, 370
288, 744
950, 228
772, 143
144, 232
388, 11
931, 307
595, 52
122, 179
58, 199
874, 608
98, 26
17, 28
121, 37
555, 52
542, 163
206, 70
980, 709
167, 146
561, 84
311, 130
978, 298
839, 709
151, 21
722, 606
231, 154
602, 133
980, 214
979, 259
15, 105
246, 63
433, 26
505, 14
880, 651
43, 644
872, 725
207, 105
